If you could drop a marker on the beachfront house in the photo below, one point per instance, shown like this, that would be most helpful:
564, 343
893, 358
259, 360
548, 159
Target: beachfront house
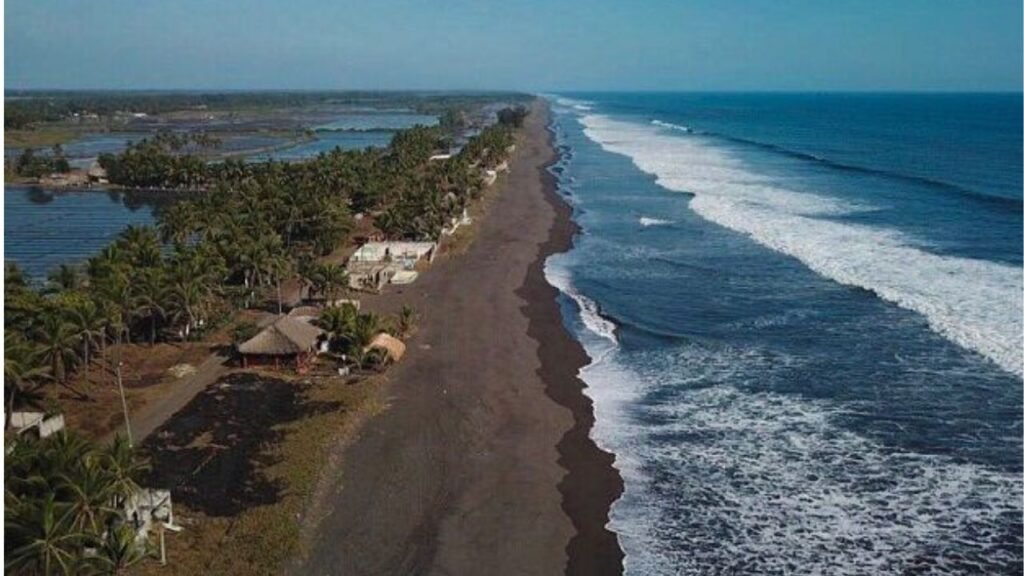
289, 341
376, 264
36, 424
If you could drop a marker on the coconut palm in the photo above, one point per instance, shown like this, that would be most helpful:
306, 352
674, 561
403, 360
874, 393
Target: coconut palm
339, 321
141, 245
118, 551
89, 323
89, 491
24, 371
58, 345
43, 538
150, 291
364, 329
405, 321
65, 278
334, 281
123, 465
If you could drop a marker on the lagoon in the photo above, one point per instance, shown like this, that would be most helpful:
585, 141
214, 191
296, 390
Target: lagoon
46, 228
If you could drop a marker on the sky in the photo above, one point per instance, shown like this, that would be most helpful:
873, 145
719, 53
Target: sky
550, 45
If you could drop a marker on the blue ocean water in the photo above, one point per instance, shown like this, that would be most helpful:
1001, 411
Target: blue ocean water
804, 314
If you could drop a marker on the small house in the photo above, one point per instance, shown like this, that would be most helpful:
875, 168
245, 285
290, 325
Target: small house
375, 264
36, 424
369, 276
289, 341
97, 174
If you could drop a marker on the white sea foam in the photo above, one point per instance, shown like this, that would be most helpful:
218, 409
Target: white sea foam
975, 303
770, 483
645, 221
671, 126
558, 276
577, 105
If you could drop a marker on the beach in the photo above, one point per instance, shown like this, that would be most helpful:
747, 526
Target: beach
482, 460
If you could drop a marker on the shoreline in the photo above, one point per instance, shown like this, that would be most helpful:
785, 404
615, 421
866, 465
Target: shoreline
483, 457
591, 484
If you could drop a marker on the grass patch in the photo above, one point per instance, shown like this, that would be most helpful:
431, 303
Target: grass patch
260, 538
38, 138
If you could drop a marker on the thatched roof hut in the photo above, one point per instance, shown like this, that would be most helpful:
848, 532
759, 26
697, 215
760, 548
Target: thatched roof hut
307, 313
290, 339
97, 173
392, 346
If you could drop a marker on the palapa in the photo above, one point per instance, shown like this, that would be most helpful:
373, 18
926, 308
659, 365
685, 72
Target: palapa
287, 335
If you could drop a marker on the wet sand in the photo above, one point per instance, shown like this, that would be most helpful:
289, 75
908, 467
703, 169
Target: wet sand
482, 463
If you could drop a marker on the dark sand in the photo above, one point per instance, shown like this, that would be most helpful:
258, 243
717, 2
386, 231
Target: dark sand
482, 464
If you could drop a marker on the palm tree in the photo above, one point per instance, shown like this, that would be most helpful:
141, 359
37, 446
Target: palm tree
141, 245
406, 321
364, 329
116, 296
24, 370
334, 280
89, 324
44, 539
339, 321
187, 299
118, 551
65, 278
58, 346
150, 293
89, 490
124, 466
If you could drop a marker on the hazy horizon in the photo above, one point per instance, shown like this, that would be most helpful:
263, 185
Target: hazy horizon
559, 46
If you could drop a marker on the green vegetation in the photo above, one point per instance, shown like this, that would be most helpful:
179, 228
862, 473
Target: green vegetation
38, 138
254, 227
63, 499
27, 107
512, 116
32, 165
258, 226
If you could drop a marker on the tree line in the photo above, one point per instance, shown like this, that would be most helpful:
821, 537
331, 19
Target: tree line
31, 164
24, 108
231, 247
63, 506
254, 227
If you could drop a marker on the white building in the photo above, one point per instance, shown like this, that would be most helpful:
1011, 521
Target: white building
375, 264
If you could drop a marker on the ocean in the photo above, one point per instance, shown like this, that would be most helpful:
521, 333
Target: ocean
804, 314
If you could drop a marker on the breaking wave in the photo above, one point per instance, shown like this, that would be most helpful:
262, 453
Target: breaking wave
671, 126
558, 276
645, 221
975, 303
763, 483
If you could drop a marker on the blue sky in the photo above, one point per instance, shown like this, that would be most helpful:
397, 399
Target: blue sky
528, 45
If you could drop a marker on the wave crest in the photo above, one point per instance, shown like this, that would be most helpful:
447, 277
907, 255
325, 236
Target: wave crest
976, 304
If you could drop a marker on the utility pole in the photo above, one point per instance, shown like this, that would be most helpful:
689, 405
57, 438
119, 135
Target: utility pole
124, 402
